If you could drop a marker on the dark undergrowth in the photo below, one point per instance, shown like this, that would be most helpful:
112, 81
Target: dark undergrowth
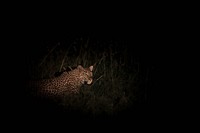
119, 81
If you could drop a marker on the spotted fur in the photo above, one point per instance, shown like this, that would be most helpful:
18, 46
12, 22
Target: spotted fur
67, 83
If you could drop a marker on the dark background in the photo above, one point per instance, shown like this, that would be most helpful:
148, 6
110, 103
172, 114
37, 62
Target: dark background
143, 44
155, 34
144, 38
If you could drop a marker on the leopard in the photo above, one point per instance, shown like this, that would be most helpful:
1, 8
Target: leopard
68, 83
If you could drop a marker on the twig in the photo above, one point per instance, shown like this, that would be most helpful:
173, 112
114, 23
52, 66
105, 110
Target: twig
48, 54
98, 63
97, 79
63, 60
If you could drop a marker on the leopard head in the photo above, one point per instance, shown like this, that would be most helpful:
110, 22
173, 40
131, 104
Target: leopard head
86, 74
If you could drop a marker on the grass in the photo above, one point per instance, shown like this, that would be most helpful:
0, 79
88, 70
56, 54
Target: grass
116, 74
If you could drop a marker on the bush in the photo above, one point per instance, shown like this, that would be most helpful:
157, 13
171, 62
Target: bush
116, 74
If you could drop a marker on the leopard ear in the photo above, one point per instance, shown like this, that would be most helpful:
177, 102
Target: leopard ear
80, 67
91, 68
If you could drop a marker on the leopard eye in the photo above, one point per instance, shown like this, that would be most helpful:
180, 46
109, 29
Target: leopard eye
89, 74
